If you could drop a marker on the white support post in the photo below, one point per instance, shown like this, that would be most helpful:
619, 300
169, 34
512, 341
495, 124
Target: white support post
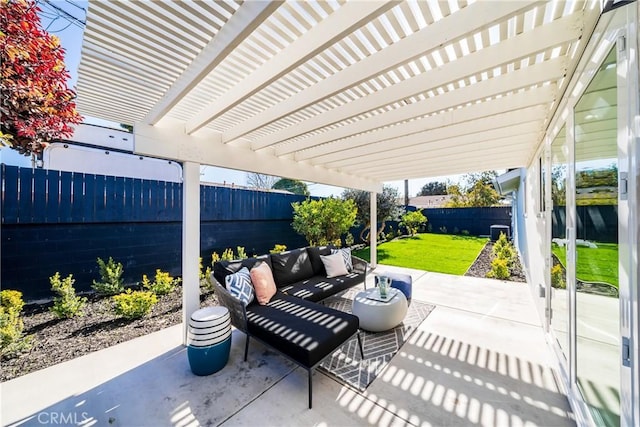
190, 242
373, 235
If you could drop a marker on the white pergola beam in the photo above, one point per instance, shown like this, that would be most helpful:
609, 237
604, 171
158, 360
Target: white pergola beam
360, 144
521, 46
173, 144
503, 138
532, 117
456, 165
469, 19
335, 27
522, 78
240, 25
464, 167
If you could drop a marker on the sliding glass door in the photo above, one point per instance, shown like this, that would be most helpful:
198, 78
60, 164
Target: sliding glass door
597, 308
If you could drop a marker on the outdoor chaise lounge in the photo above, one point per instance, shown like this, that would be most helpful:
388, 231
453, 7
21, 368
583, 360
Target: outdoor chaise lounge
293, 322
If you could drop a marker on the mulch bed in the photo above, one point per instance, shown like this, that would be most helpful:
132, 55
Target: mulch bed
482, 265
57, 340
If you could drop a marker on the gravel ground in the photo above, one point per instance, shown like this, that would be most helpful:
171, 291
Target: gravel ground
482, 265
57, 340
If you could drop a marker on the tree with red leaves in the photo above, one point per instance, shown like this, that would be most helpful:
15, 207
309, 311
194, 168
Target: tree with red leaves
35, 102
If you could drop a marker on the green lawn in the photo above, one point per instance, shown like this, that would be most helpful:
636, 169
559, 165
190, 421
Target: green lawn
442, 253
594, 264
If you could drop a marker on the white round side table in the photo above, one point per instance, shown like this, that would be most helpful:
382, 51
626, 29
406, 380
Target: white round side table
376, 315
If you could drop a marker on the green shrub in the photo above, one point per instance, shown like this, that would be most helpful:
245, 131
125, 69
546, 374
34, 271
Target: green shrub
134, 304
465, 232
412, 220
205, 276
443, 229
227, 255
111, 278
349, 240
324, 221
12, 339
241, 253
557, 277
499, 269
163, 283
67, 304
278, 249
429, 228
11, 300
504, 249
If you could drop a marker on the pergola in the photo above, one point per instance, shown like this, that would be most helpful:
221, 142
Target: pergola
350, 94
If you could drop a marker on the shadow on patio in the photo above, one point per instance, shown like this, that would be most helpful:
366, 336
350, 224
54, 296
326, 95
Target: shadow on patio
479, 359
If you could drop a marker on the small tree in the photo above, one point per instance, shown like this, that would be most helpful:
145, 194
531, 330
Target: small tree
477, 191
413, 220
293, 185
261, 181
36, 104
111, 276
323, 221
435, 188
387, 208
67, 304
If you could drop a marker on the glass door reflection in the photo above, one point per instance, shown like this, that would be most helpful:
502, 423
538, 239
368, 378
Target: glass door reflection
559, 317
596, 192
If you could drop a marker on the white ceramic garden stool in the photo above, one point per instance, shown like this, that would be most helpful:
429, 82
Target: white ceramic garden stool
376, 315
209, 340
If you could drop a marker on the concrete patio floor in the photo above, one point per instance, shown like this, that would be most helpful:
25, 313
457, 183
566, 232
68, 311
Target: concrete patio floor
480, 358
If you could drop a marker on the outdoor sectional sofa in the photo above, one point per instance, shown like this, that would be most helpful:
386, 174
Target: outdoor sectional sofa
294, 322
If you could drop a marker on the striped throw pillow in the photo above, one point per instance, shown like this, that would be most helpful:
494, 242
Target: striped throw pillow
346, 254
239, 285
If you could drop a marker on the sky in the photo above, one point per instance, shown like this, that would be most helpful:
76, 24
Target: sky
65, 19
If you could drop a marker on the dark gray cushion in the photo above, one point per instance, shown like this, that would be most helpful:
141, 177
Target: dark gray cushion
318, 288
305, 331
316, 262
222, 269
291, 266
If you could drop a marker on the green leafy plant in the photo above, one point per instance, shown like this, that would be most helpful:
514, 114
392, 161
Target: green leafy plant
163, 283
278, 249
349, 240
465, 232
504, 249
111, 278
205, 276
12, 338
557, 277
67, 304
443, 229
241, 253
412, 220
134, 304
227, 255
215, 258
387, 209
499, 269
323, 221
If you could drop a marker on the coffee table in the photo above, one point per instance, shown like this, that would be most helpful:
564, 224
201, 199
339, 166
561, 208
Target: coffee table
376, 315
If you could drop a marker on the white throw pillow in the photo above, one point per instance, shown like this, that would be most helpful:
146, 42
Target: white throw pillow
334, 264
346, 254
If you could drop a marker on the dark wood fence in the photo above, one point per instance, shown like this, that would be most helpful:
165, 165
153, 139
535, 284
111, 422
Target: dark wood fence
62, 221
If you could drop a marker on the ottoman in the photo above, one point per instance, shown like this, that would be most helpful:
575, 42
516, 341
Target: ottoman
209, 340
400, 281
376, 315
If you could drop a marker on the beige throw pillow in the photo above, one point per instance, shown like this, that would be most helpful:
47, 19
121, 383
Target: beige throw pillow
334, 264
263, 283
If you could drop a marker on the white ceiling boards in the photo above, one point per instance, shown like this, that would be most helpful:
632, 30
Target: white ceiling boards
349, 93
